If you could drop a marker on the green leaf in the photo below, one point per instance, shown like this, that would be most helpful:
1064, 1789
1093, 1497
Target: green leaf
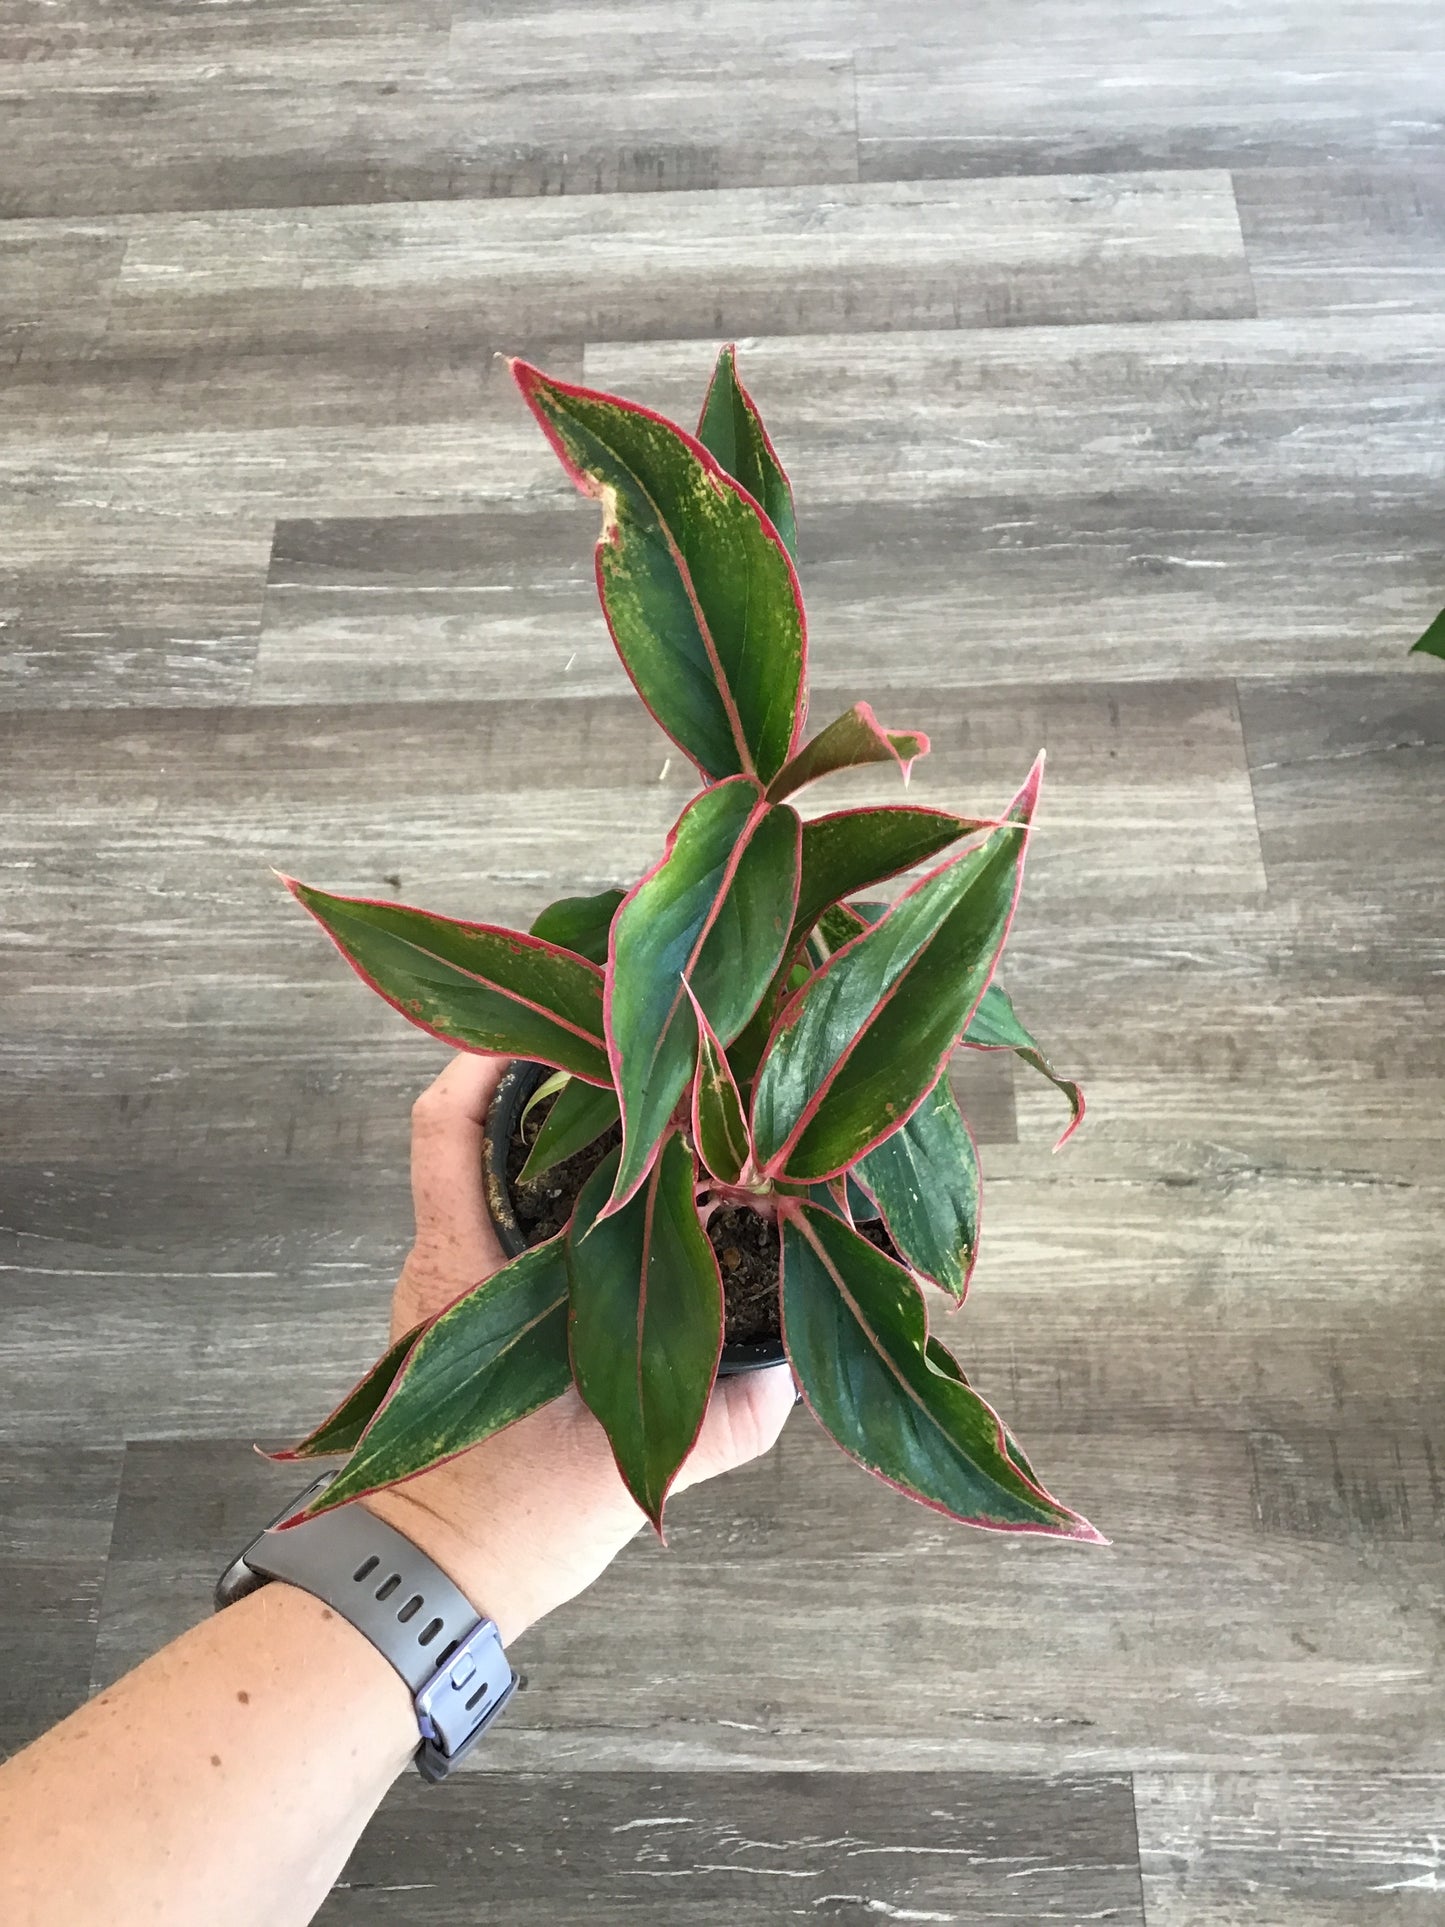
1432, 643
647, 1320
580, 924
994, 1026
472, 984
731, 430
717, 910
857, 1337
856, 737
858, 1047
698, 589
719, 1124
852, 850
496, 1354
847, 851
925, 1180
578, 1117
341, 1431
943, 1360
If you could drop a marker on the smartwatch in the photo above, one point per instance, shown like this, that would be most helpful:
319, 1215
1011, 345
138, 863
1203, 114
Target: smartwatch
449, 1654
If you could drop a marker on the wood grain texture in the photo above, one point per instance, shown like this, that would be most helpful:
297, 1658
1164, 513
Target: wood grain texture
371, 128
1165, 85
780, 260
1271, 1850
57, 1506
711, 1849
1362, 239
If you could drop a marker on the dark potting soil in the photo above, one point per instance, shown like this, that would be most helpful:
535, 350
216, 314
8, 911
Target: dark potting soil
543, 1205
747, 1256
746, 1243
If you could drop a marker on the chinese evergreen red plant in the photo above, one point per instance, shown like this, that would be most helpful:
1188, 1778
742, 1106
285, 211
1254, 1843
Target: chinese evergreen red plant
765, 1039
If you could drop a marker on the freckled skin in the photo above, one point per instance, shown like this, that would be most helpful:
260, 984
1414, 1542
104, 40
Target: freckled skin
215, 1759
244, 1698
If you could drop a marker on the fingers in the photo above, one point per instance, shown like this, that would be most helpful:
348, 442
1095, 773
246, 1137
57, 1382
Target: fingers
744, 1418
446, 1166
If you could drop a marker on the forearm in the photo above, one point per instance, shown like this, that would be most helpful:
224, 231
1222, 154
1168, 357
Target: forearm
226, 1780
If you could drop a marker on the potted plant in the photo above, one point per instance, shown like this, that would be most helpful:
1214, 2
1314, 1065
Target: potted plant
732, 1077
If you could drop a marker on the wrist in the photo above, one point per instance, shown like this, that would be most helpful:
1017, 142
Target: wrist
477, 1569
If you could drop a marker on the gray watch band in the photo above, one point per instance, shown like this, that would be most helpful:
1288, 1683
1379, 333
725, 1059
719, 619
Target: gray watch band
449, 1655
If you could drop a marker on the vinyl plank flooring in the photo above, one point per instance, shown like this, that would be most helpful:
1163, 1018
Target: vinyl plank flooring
770, 260
1360, 239
1160, 1650
1281, 1849
189, 387
1121, 106
1343, 766
106, 607
353, 132
97, 35
57, 1500
56, 280
711, 1849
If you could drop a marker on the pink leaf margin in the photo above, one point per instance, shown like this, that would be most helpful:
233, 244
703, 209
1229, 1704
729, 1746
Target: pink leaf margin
652, 1176
761, 809
1025, 802
1081, 1531
518, 937
528, 379
778, 788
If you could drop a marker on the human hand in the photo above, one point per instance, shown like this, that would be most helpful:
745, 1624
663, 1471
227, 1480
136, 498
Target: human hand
529, 1518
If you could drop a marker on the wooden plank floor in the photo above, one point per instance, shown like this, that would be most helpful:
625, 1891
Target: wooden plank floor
1106, 343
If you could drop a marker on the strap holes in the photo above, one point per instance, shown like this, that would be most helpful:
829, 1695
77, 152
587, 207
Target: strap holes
412, 1607
365, 1571
388, 1586
446, 1652
480, 1694
429, 1632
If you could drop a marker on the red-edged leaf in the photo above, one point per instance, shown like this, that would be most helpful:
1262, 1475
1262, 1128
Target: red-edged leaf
646, 1320
856, 1334
852, 850
732, 430
943, 1360
995, 1026
859, 1046
698, 589
856, 737
717, 910
495, 1354
472, 984
847, 851
925, 1180
342, 1430
719, 1122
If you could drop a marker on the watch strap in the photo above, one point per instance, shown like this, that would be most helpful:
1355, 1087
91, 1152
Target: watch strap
451, 1657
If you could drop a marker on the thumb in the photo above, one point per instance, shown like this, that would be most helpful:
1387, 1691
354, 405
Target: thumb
745, 1416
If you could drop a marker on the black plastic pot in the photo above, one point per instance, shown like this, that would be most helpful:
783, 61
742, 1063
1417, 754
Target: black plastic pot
517, 1085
